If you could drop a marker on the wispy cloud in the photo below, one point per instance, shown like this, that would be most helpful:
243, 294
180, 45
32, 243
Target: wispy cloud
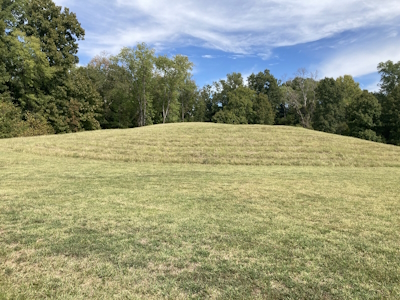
249, 27
363, 56
265, 56
236, 56
336, 37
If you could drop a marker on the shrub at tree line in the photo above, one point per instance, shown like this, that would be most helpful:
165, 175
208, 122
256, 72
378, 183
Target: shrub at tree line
42, 91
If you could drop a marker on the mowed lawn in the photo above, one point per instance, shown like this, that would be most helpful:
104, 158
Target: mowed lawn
199, 211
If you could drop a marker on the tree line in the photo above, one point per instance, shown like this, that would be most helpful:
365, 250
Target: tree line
42, 91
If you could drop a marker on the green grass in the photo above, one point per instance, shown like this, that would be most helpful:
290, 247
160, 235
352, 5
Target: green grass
199, 211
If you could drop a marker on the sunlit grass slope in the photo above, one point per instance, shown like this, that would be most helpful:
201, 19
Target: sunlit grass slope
199, 211
213, 144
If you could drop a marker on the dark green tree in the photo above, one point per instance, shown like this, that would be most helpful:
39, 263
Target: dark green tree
363, 117
239, 107
206, 106
390, 76
188, 94
14, 123
350, 88
4, 16
39, 43
263, 112
266, 83
28, 70
75, 105
11, 124
139, 63
329, 115
390, 101
390, 117
223, 87
58, 31
85, 104
114, 84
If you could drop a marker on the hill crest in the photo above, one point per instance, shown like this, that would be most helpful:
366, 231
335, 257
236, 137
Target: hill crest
206, 143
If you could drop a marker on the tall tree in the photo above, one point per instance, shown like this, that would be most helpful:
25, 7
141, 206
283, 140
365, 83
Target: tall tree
266, 83
58, 31
98, 70
40, 46
363, 117
24, 68
171, 77
330, 108
389, 97
350, 88
114, 84
5, 15
28, 70
390, 76
239, 107
205, 106
390, 118
301, 94
140, 62
85, 104
263, 113
223, 87
187, 98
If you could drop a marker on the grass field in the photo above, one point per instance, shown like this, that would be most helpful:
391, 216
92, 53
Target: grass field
199, 211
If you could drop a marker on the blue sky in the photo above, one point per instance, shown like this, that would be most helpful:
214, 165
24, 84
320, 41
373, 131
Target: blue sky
333, 37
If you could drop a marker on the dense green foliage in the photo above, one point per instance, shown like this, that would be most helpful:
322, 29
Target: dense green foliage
11, 124
329, 114
39, 81
390, 126
39, 47
390, 76
266, 83
363, 117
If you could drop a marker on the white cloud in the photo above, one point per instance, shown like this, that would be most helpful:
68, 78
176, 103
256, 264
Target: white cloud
265, 56
361, 58
236, 56
241, 27
208, 56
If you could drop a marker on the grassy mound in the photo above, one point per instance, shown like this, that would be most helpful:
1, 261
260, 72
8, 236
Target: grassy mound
199, 211
214, 144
